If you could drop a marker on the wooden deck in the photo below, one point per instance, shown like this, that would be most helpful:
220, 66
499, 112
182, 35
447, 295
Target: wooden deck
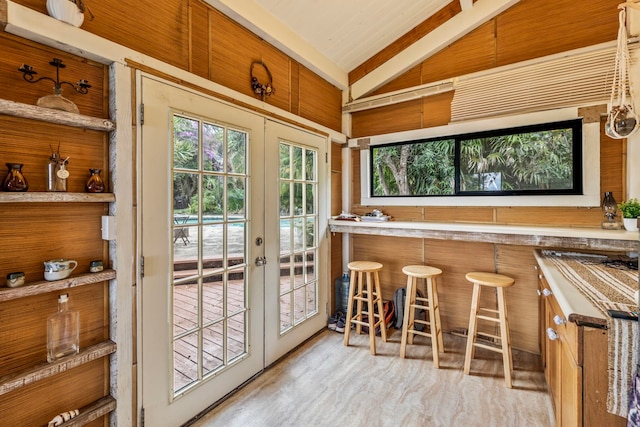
185, 324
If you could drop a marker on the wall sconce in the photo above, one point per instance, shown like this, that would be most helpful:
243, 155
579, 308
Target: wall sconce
610, 210
55, 101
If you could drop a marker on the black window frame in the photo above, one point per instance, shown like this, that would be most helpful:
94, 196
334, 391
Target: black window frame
578, 146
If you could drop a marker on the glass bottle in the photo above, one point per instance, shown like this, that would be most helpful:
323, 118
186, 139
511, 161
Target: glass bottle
63, 331
15, 181
95, 184
52, 169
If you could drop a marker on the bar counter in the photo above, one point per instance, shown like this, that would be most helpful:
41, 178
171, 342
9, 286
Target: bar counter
579, 238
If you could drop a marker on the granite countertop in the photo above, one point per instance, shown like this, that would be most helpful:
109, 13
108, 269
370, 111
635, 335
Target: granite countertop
573, 302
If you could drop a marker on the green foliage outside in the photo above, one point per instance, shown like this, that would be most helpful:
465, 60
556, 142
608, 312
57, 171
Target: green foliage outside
525, 161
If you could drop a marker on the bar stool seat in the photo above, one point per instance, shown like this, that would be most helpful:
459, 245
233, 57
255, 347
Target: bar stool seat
364, 287
499, 282
428, 303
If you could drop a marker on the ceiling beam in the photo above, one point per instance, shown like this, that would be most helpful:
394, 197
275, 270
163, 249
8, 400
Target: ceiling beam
466, 4
441, 37
257, 19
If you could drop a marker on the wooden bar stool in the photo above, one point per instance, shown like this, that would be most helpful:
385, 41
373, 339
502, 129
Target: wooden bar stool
361, 291
499, 316
428, 303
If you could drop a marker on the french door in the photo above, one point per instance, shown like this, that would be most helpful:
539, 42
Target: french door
202, 200
295, 279
232, 228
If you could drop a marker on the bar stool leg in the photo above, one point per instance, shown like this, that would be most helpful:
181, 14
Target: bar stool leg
471, 334
383, 322
347, 327
507, 359
370, 314
407, 319
434, 325
433, 302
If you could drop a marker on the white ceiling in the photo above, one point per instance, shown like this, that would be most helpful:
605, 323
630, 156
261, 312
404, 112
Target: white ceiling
333, 37
348, 32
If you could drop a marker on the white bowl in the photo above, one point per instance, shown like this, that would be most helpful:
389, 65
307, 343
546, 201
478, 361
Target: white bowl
57, 275
65, 11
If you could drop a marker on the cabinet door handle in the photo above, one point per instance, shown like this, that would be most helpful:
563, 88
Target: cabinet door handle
552, 334
559, 320
546, 292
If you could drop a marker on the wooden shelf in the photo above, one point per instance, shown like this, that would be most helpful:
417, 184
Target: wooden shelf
55, 197
16, 380
34, 112
43, 287
92, 412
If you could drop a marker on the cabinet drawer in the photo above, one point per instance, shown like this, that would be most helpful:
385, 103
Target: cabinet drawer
568, 332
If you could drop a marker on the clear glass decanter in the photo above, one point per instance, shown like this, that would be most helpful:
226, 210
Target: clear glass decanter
63, 331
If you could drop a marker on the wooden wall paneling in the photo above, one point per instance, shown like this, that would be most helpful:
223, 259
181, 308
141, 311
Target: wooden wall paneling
46, 399
522, 299
234, 48
392, 118
456, 259
436, 109
294, 91
30, 142
199, 38
320, 101
356, 191
533, 28
428, 25
409, 78
613, 162
474, 52
458, 214
39, 231
394, 253
157, 29
554, 216
13, 87
24, 325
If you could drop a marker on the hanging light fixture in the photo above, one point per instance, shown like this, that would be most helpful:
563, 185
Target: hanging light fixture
621, 119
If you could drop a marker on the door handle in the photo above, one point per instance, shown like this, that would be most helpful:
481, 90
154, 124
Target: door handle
260, 261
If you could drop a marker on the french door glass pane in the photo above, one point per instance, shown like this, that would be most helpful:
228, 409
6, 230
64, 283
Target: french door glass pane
210, 185
298, 225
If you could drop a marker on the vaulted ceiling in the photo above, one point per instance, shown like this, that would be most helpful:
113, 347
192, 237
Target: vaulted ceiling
333, 37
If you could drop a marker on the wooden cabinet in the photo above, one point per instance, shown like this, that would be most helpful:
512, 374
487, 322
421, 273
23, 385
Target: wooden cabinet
26, 379
575, 364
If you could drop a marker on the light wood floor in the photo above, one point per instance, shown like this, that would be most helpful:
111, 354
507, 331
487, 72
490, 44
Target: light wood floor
324, 383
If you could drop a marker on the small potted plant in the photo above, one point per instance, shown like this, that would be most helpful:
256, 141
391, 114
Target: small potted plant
630, 212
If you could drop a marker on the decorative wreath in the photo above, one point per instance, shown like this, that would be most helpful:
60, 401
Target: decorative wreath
259, 88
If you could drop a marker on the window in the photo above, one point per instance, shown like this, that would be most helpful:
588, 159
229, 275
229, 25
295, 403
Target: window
541, 159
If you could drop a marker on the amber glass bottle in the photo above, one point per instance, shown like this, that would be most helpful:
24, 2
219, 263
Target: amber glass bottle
15, 181
95, 184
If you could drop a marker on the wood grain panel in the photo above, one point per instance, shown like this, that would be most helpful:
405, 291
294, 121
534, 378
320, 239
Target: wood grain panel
24, 325
393, 118
436, 109
43, 231
199, 38
356, 191
13, 87
555, 216
410, 78
474, 52
533, 28
294, 97
458, 214
394, 253
234, 48
45, 399
456, 259
613, 162
320, 101
31, 142
157, 29
424, 28
522, 300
